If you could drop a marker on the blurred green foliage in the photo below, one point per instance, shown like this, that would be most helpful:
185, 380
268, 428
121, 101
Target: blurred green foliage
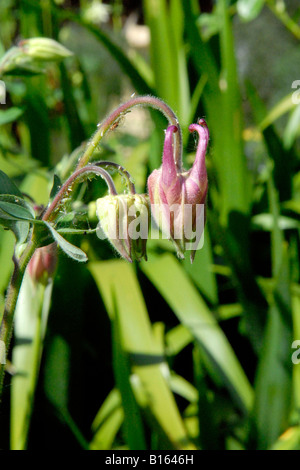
163, 354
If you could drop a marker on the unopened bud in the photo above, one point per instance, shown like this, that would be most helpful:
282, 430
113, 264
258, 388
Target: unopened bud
43, 263
179, 197
124, 221
44, 49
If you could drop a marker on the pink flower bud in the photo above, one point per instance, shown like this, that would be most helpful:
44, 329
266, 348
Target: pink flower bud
42, 265
178, 197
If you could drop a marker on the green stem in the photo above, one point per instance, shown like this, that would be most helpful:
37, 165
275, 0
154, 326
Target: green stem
113, 119
11, 301
123, 172
68, 186
285, 19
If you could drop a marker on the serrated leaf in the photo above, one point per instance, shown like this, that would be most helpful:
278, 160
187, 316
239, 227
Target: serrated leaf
71, 250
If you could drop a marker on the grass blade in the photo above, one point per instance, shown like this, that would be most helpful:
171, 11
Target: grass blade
30, 325
117, 278
196, 317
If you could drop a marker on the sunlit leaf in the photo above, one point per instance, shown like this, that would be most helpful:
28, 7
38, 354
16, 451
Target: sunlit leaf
10, 115
167, 275
116, 280
71, 250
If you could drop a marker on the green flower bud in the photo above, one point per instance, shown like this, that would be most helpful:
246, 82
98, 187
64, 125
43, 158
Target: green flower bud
44, 49
124, 221
27, 57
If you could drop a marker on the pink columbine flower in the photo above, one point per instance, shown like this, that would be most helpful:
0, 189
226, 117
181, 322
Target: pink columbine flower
177, 196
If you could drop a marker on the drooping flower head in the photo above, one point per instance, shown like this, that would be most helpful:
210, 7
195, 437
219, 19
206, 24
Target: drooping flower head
123, 220
178, 197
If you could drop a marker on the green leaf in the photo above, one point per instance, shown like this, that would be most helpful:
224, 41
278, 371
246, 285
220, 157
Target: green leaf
166, 27
13, 208
15, 214
71, 250
177, 339
273, 384
222, 102
282, 107
138, 81
249, 9
266, 222
274, 375
296, 336
7, 186
166, 274
10, 115
111, 403
36, 118
29, 330
120, 290
56, 186
201, 273
237, 190
290, 440
283, 159
7, 243
183, 388
77, 132
104, 437
134, 432
292, 128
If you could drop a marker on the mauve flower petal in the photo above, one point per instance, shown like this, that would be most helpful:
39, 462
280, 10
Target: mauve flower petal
198, 172
169, 173
171, 189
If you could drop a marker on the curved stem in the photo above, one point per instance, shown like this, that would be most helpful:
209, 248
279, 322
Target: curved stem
120, 169
284, 17
113, 119
68, 186
11, 301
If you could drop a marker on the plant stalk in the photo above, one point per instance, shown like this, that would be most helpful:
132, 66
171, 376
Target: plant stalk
68, 186
285, 19
123, 172
11, 301
113, 119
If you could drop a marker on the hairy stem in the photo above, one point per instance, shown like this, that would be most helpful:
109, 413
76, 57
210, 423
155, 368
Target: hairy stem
112, 120
120, 169
69, 184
